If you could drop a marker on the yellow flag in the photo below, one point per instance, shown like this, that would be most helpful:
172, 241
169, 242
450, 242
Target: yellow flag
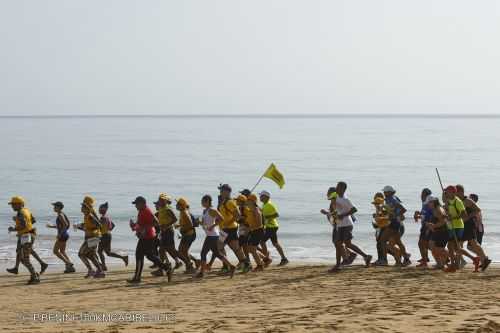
275, 175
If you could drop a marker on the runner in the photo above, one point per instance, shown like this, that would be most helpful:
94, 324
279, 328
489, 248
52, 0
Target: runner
456, 214
479, 221
188, 233
105, 244
210, 223
24, 229
395, 230
344, 210
256, 230
62, 225
436, 224
146, 233
43, 264
348, 256
472, 211
92, 228
381, 221
166, 221
270, 216
424, 216
231, 214
243, 230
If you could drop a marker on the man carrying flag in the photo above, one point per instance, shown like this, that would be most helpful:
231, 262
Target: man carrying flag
270, 217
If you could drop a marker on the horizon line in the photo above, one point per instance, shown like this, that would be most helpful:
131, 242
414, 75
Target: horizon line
261, 115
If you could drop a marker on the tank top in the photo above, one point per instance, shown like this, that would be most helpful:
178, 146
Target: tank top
207, 222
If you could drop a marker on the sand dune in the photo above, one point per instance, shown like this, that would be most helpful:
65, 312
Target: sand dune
302, 298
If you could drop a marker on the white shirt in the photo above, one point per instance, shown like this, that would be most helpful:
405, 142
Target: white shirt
207, 222
343, 206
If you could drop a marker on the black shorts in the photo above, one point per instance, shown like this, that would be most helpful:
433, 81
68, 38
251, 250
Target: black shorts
187, 240
255, 237
343, 234
425, 234
105, 242
243, 239
469, 231
440, 238
270, 234
167, 238
232, 235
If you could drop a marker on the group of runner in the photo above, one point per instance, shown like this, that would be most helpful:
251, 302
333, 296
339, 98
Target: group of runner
240, 223
446, 224
244, 225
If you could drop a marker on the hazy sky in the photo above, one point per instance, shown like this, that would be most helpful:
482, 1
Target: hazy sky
253, 56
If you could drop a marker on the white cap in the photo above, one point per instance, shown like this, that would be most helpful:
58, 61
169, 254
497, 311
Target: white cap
265, 193
429, 199
389, 188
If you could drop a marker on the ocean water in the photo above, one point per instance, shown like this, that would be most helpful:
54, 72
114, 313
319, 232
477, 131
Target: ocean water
115, 159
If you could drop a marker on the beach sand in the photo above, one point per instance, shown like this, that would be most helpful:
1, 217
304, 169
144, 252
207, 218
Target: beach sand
299, 298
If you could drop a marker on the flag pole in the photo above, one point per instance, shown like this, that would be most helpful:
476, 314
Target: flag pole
258, 182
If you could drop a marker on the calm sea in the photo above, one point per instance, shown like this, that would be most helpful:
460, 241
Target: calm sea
115, 159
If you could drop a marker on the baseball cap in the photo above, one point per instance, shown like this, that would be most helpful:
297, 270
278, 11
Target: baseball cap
246, 192
139, 199
58, 204
429, 199
389, 189
265, 194
225, 187
16, 200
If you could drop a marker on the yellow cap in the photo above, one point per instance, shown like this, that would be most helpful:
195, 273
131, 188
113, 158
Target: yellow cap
333, 196
88, 201
252, 197
241, 198
182, 202
16, 200
165, 197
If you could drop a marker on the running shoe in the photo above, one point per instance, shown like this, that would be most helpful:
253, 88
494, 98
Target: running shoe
351, 259
90, 274
486, 263
99, 275
34, 279
368, 260
69, 269
259, 268
43, 268
134, 281
13, 270
125, 260
283, 262
158, 272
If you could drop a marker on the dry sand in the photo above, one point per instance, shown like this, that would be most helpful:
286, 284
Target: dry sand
301, 298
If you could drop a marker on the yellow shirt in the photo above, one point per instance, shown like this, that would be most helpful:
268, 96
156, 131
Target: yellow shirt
228, 212
254, 222
165, 217
91, 230
24, 215
186, 226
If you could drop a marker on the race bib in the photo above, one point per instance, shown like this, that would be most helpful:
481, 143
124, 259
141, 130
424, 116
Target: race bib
25, 239
93, 242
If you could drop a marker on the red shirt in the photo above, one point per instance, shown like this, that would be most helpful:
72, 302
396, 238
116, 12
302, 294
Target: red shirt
145, 224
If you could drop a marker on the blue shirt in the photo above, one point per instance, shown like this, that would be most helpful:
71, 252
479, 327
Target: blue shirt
426, 215
395, 205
